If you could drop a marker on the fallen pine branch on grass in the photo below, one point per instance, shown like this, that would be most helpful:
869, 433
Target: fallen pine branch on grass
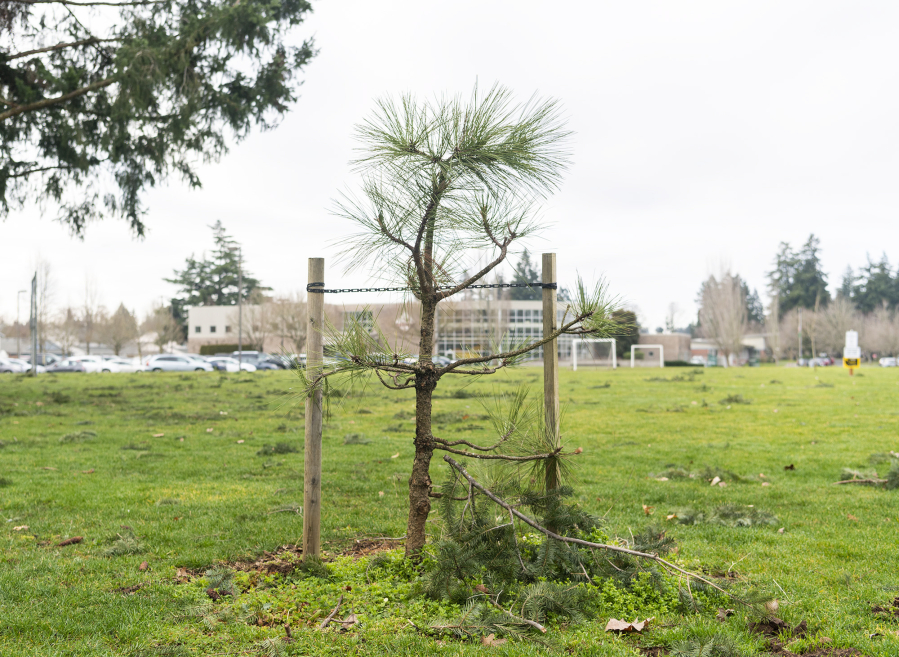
864, 482
588, 544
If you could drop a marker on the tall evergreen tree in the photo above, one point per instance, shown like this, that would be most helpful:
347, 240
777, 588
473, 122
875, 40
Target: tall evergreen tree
876, 285
525, 272
102, 99
797, 278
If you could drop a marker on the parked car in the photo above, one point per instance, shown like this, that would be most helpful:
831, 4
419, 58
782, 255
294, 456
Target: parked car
260, 359
96, 364
173, 363
67, 365
697, 360
11, 366
228, 364
26, 366
129, 365
888, 361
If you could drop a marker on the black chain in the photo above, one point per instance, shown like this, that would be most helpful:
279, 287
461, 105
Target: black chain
319, 288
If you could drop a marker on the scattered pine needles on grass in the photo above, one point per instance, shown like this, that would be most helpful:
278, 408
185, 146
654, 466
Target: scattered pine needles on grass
78, 436
277, 448
727, 515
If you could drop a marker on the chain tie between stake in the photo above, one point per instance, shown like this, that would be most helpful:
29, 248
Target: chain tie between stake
319, 288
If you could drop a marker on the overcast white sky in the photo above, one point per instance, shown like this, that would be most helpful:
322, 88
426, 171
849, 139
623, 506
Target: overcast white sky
706, 132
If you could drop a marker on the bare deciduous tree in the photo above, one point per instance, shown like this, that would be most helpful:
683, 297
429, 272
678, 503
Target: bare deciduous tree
772, 327
444, 181
92, 312
880, 332
65, 330
837, 318
119, 329
723, 313
161, 322
288, 320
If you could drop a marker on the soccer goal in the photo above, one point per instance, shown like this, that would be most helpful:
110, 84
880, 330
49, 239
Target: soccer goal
592, 352
651, 352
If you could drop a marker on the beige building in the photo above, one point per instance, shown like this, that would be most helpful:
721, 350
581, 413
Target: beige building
676, 346
463, 327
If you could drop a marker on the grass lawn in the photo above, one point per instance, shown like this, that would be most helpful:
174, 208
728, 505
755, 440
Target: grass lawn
187, 471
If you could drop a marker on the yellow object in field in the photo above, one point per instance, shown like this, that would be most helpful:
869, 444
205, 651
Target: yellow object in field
851, 363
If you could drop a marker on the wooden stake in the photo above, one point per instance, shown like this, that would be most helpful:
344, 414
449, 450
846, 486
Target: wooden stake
550, 350
312, 472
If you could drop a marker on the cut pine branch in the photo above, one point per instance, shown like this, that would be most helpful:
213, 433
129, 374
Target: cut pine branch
577, 541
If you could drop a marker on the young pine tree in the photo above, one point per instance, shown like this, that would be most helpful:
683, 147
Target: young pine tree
444, 181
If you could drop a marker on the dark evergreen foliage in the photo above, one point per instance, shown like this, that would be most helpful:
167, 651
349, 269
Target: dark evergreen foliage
212, 281
525, 272
797, 278
90, 120
873, 286
628, 333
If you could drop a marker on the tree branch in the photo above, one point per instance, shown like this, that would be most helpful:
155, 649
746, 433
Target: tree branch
476, 277
477, 447
58, 46
48, 102
498, 457
90, 3
576, 541
390, 235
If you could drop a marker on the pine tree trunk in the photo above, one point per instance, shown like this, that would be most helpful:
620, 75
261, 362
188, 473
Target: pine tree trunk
420, 481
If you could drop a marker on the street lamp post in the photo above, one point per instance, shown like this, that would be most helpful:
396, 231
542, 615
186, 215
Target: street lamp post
239, 306
18, 324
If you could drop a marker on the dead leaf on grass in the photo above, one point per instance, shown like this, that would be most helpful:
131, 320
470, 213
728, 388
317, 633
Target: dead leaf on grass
158, 435
91, 471
851, 517
491, 640
182, 576
70, 541
615, 625
395, 456
20, 528
143, 566
48, 468
724, 613
715, 481
648, 509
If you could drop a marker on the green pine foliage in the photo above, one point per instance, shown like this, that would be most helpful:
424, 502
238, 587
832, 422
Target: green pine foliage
103, 100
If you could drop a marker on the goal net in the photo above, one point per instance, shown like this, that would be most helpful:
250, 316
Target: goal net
593, 352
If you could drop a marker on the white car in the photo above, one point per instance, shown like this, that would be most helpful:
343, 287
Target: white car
96, 364
888, 361
173, 363
26, 366
11, 366
129, 365
229, 364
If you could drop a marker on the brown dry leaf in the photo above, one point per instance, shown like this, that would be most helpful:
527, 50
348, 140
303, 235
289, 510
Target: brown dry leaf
715, 481
724, 613
491, 640
480, 588
671, 516
579, 450
851, 517
209, 430
70, 541
648, 509
158, 435
20, 528
240, 442
182, 576
380, 493
48, 468
143, 566
766, 483
349, 621
615, 625
395, 456
91, 471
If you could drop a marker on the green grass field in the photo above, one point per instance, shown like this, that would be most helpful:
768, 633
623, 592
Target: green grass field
187, 471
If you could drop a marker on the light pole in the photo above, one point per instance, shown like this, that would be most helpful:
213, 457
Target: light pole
239, 307
18, 325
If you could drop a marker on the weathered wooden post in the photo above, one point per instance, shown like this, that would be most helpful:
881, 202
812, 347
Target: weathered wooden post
312, 472
550, 349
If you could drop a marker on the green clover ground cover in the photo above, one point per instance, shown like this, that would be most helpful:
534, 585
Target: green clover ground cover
192, 471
